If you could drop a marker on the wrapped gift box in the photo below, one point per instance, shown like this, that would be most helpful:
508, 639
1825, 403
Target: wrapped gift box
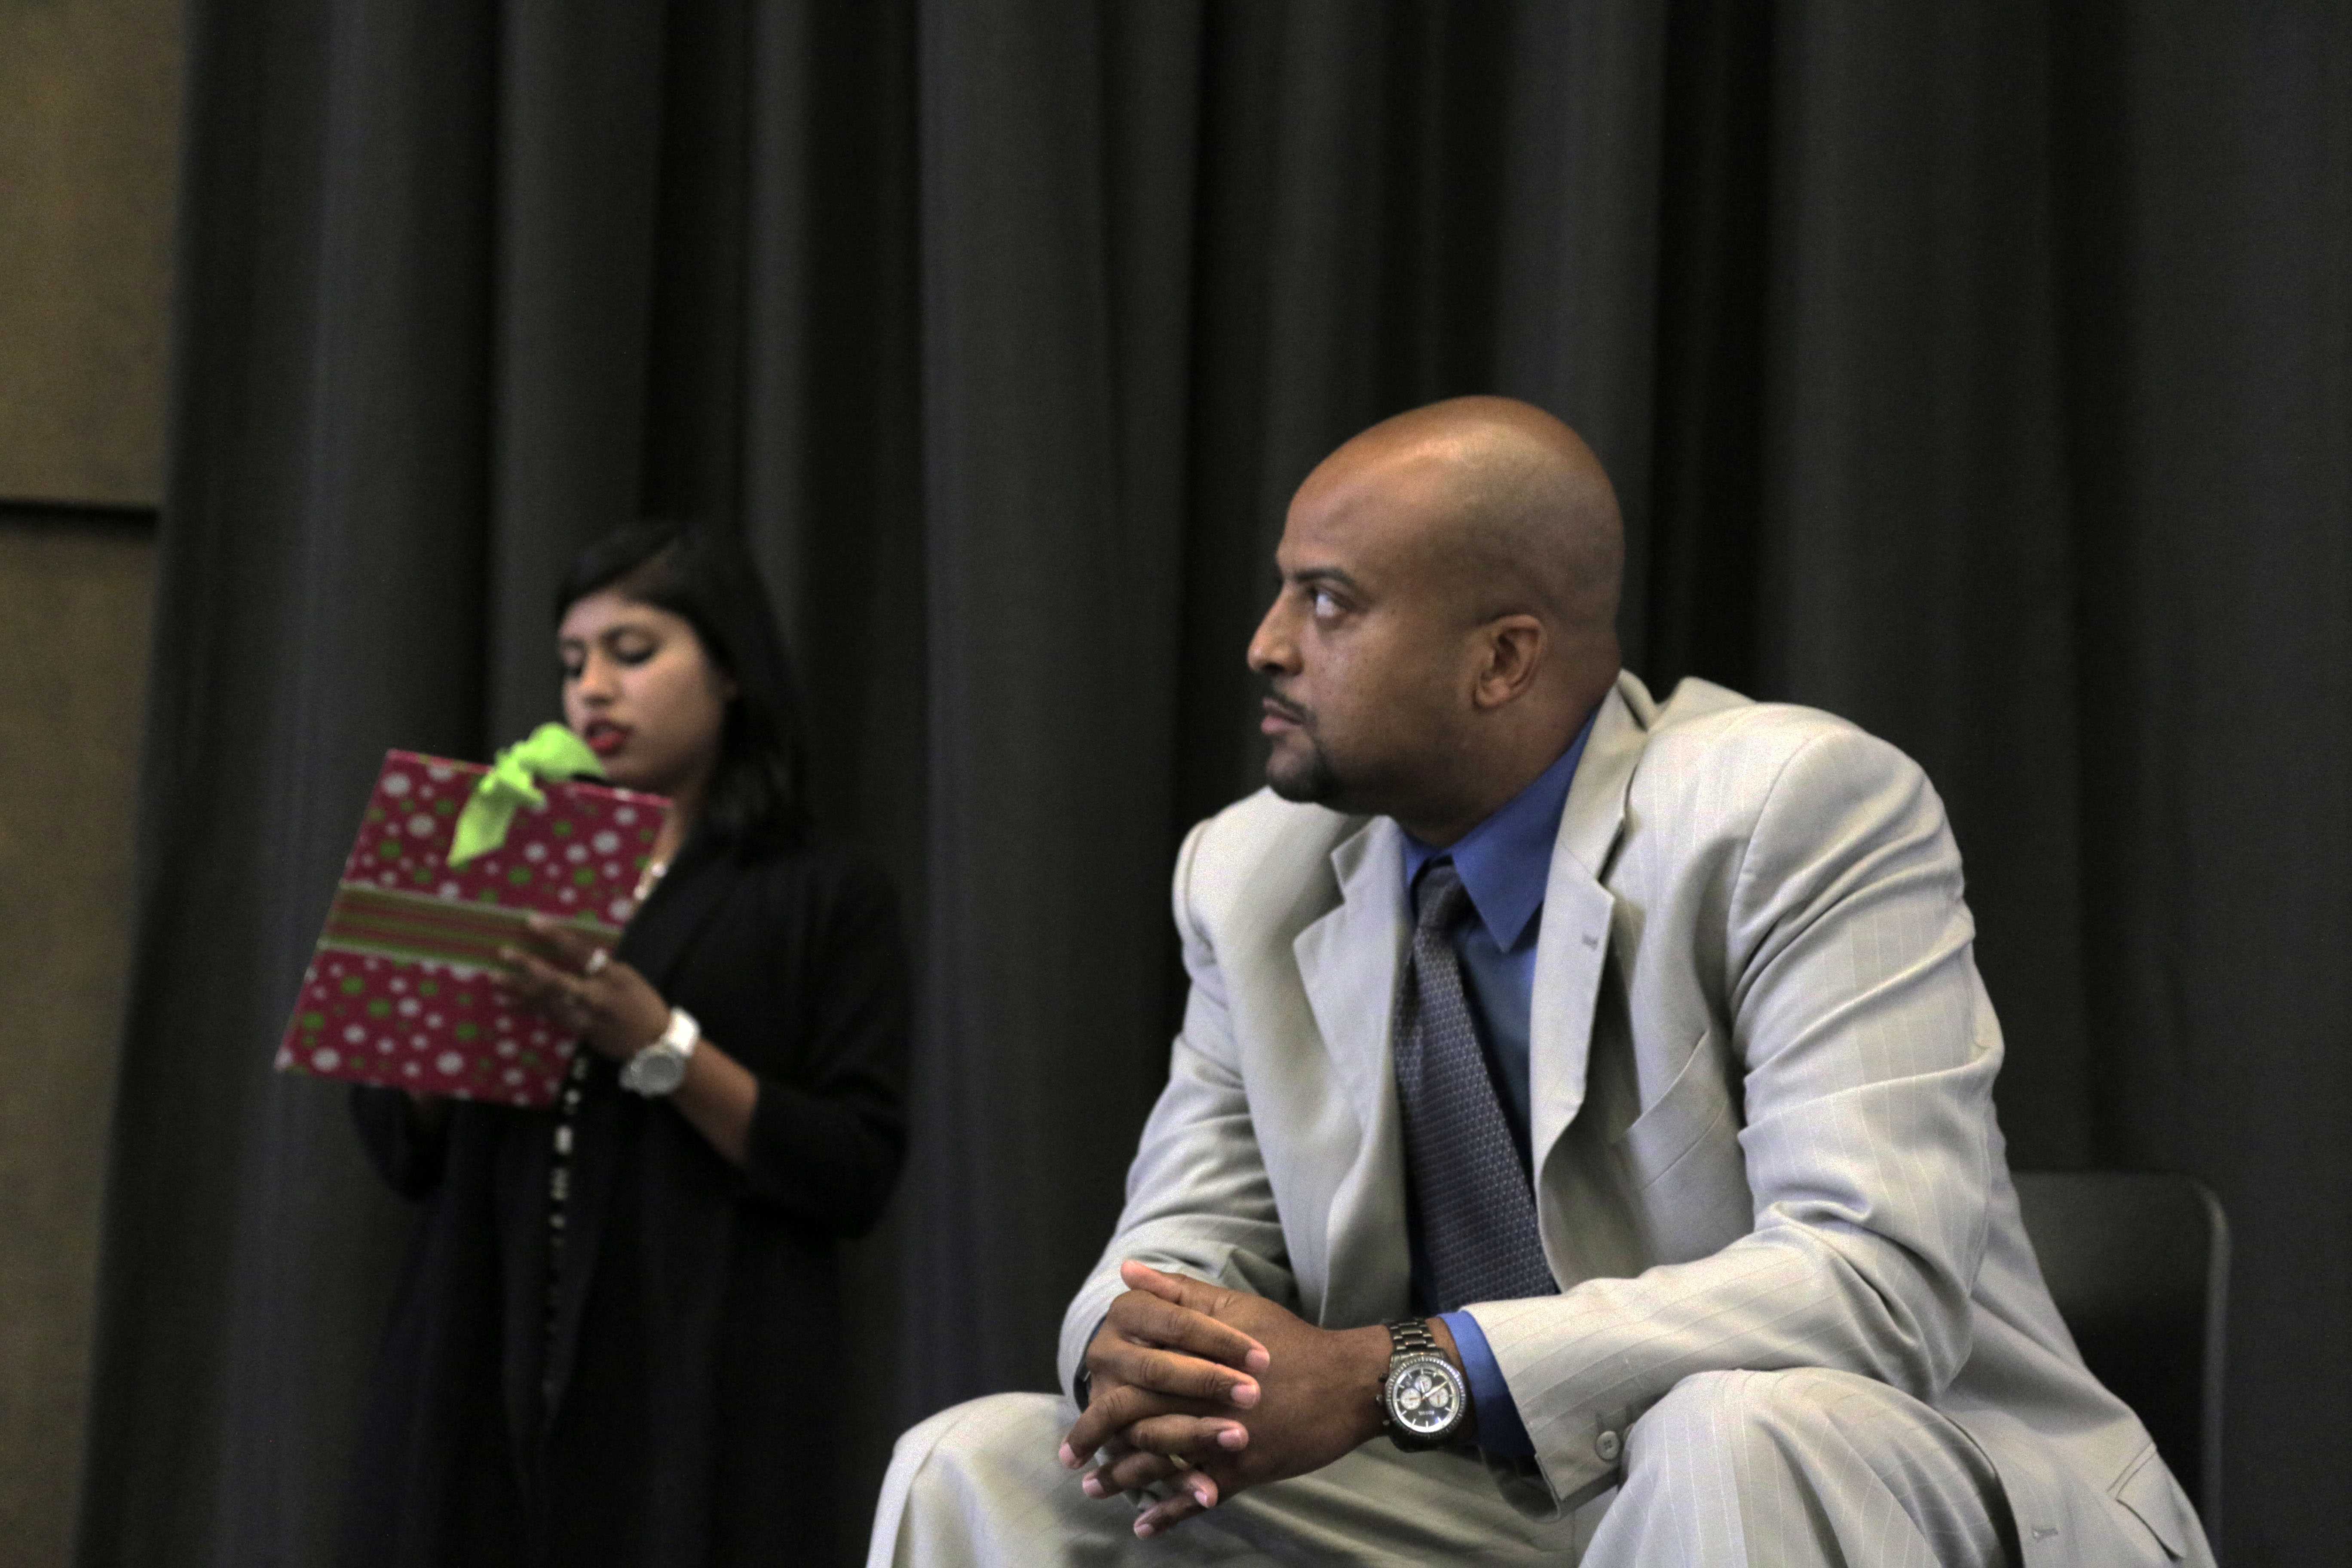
398, 991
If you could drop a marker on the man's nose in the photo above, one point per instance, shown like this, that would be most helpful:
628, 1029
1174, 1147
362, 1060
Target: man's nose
1273, 650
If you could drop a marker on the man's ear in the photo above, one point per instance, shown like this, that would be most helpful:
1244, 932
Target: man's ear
1514, 647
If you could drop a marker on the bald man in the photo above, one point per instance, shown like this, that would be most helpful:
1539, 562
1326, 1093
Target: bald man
1580, 1145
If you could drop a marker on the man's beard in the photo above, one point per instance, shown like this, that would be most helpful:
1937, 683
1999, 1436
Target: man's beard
1309, 780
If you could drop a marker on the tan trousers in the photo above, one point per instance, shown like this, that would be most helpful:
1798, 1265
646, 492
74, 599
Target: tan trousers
1777, 1469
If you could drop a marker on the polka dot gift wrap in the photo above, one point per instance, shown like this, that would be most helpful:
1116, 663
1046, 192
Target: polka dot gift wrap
398, 991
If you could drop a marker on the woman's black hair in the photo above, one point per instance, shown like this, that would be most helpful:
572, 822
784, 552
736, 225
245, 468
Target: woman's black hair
757, 796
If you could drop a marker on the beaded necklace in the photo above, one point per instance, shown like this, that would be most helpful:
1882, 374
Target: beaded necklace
559, 1167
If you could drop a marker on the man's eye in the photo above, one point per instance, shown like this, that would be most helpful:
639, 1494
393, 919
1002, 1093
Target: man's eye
1324, 605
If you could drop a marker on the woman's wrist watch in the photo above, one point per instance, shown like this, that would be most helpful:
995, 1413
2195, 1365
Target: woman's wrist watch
660, 1067
1425, 1398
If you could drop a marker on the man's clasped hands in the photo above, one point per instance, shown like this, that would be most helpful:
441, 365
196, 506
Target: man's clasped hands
1218, 1390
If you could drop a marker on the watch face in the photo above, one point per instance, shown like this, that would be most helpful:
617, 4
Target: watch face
1424, 1397
656, 1070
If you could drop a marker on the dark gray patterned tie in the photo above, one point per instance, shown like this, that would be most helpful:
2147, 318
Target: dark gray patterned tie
1470, 1196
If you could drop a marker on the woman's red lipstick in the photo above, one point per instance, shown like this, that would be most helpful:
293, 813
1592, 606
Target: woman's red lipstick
606, 739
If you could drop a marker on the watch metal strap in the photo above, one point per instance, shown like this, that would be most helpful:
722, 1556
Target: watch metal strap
1411, 1336
1411, 1340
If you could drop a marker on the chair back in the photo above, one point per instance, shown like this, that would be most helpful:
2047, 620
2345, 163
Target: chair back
2138, 1264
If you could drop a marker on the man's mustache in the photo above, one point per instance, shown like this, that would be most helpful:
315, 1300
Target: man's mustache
1288, 709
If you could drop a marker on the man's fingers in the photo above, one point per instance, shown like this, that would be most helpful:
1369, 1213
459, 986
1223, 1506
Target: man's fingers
1077, 1459
1121, 1355
1111, 1412
1130, 1471
1140, 1314
1196, 1438
1098, 1481
1134, 1471
1164, 1516
1114, 1410
1180, 1288
1179, 1376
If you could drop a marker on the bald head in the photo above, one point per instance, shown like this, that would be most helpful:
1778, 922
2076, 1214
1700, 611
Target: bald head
1447, 616
1511, 502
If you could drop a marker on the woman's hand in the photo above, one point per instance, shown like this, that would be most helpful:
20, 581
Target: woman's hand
618, 1013
578, 986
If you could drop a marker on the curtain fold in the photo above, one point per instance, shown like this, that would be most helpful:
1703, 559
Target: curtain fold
1982, 374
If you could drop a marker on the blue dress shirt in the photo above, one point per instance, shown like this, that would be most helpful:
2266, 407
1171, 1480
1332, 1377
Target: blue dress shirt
1505, 864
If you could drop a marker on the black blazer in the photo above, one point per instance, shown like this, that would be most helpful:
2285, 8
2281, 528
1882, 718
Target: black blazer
680, 1410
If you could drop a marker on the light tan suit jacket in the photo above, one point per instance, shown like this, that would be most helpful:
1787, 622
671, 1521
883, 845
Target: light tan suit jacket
1761, 1074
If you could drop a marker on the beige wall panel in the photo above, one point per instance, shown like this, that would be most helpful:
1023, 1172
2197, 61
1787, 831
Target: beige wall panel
73, 640
89, 142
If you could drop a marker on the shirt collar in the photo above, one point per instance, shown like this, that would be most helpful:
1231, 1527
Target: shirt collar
1504, 862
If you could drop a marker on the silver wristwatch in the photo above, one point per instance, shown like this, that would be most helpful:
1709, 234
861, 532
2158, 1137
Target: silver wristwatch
1426, 1399
660, 1067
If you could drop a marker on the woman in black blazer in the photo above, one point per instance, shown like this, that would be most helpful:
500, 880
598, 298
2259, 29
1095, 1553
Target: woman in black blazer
617, 1339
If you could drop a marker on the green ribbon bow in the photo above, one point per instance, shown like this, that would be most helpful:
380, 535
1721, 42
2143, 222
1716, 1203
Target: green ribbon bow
550, 751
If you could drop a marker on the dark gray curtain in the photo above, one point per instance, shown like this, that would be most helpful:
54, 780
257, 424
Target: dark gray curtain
1983, 374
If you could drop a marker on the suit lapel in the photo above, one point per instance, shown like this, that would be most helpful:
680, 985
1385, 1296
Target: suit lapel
1572, 948
1348, 962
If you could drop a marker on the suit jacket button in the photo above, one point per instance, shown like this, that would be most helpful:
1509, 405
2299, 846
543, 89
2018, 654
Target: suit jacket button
1608, 1445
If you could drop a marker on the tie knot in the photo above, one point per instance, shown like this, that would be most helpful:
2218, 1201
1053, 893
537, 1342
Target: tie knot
1443, 898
